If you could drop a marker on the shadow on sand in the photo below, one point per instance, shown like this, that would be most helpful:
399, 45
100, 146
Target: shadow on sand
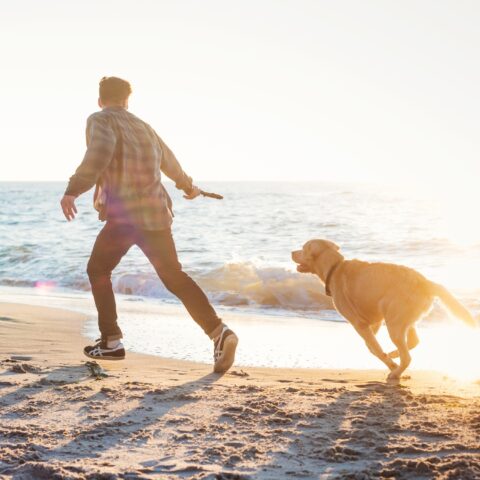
346, 438
133, 426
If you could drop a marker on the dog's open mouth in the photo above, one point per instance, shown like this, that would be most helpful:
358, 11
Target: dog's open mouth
302, 268
297, 257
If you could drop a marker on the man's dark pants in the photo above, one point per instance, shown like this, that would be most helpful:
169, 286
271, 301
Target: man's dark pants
113, 242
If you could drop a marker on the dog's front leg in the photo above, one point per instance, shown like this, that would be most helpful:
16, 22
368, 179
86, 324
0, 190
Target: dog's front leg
372, 343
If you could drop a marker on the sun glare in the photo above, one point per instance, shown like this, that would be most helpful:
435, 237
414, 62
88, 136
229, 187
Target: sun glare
460, 223
451, 349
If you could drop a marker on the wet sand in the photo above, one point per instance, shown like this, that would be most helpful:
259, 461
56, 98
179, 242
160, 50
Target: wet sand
159, 418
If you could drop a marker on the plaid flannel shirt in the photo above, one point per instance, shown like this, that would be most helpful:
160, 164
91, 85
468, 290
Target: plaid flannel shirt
124, 159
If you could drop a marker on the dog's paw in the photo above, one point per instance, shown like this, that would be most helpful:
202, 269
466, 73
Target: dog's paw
394, 375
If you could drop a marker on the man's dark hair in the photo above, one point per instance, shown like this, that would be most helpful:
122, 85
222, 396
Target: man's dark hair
114, 89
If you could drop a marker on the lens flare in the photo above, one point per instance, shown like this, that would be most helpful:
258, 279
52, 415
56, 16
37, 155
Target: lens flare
451, 349
44, 286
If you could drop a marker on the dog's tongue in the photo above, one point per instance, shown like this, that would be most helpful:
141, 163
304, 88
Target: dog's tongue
303, 268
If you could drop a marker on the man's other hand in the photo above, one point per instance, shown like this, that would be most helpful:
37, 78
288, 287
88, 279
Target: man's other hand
68, 206
194, 193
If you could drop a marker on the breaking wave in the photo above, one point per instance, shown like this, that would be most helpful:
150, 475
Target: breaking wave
241, 284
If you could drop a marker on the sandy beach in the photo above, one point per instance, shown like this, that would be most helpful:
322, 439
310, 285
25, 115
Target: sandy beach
298, 174
158, 418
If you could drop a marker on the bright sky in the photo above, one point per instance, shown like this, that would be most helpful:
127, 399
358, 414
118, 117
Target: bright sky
381, 91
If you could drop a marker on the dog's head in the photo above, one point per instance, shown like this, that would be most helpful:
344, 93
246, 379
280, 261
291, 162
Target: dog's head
311, 252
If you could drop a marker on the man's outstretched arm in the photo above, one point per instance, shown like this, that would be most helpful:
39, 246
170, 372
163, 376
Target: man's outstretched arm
172, 169
101, 142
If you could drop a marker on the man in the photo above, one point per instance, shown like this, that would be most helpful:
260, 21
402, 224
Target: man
124, 159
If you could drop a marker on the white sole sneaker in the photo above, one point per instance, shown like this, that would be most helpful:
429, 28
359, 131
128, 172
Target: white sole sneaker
103, 357
96, 352
226, 359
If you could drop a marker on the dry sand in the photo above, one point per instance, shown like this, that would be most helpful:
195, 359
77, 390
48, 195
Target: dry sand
159, 418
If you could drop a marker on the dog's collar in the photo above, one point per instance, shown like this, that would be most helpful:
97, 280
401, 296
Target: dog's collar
329, 277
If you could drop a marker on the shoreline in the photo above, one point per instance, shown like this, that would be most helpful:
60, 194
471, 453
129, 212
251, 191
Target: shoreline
153, 417
164, 330
74, 339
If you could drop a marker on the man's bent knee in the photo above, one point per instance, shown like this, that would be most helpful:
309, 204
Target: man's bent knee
176, 281
95, 273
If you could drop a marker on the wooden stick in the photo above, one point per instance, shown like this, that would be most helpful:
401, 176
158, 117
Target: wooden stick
211, 195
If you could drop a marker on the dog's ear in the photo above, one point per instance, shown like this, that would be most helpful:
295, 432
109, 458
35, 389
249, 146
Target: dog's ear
332, 245
312, 249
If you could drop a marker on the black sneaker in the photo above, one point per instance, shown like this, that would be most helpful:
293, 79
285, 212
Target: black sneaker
99, 351
224, 350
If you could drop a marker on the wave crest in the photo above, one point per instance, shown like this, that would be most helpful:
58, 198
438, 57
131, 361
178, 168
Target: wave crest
241, 284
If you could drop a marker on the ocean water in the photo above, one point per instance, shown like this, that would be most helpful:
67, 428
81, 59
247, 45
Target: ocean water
238, 250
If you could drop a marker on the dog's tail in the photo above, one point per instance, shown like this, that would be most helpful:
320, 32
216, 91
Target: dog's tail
452, 304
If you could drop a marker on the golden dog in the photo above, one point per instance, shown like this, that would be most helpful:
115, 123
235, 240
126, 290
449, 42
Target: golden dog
367, 294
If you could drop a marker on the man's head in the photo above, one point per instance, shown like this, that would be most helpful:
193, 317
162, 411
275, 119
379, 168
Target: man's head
114, 92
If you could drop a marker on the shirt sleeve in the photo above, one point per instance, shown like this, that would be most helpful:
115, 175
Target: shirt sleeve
101, 142
172, 169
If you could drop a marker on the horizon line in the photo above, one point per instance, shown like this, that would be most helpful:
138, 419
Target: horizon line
365, 182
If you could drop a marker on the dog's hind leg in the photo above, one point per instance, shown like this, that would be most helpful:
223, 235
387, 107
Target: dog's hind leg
375, 327
372, 343
399, 338
412, 342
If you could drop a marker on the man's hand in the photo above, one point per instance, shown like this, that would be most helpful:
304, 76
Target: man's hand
194, 193
68, 206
